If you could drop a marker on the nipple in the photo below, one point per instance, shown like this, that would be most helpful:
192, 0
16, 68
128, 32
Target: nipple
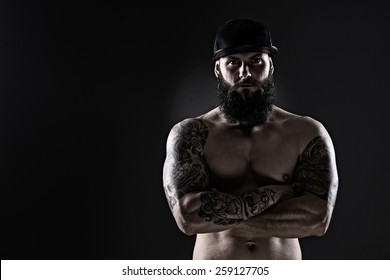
286, 177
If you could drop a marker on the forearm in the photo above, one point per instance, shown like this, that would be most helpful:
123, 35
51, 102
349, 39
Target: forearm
309, 214
213, 211
293, 218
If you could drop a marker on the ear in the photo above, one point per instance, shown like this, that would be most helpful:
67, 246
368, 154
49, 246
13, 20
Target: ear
216, 69
271, 66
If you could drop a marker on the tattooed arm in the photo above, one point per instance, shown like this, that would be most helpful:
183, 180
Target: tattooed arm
196, 206
310, 213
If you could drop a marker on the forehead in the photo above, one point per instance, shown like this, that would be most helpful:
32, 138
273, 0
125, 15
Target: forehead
245, 55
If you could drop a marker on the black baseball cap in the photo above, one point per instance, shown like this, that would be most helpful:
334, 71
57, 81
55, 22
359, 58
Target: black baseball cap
243, 35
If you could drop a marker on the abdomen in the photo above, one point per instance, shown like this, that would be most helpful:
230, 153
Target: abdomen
223, 245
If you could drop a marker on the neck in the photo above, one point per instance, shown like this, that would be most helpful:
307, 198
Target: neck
246, 124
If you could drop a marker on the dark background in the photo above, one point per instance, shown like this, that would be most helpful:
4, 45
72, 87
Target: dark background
89, 92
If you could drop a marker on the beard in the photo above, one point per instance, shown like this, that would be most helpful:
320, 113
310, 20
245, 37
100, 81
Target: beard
246, 107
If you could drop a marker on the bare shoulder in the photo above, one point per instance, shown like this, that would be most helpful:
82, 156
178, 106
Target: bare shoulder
305, 127
188, 130
199, 121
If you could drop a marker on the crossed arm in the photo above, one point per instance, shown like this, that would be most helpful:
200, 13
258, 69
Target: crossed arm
310, 213
198, 208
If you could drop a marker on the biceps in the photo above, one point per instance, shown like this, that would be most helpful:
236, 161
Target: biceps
188, 176
316, 170
185, 169
183, 176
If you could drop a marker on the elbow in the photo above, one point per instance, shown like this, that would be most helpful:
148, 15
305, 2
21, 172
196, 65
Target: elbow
185, 222
322, 224
321, 229
186, 228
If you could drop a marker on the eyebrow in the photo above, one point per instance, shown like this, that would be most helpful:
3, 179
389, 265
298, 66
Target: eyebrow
235, 57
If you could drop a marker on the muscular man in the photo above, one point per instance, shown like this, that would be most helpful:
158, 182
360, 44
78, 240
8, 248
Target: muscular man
249, 178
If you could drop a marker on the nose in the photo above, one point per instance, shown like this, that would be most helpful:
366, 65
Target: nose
244, 72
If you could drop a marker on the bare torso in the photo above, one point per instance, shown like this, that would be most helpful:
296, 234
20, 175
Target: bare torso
227, 245
240, 159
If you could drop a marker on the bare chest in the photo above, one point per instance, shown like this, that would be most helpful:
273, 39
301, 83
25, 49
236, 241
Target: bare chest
240, 160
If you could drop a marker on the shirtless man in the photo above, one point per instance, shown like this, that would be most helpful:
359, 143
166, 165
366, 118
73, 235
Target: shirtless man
249, 178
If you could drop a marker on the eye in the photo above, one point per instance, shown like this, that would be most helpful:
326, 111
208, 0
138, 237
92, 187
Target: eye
256, 60
234, 62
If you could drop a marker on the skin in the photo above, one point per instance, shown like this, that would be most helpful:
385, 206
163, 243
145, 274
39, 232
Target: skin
234, 184
238, 68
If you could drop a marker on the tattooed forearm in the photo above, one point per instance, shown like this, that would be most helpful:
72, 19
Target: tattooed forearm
314, 172
226, 209
185, 169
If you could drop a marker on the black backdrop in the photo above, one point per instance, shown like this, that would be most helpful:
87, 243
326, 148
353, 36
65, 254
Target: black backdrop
89, 92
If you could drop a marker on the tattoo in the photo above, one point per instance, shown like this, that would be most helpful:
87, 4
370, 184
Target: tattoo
313, 170
188, 171
226, 209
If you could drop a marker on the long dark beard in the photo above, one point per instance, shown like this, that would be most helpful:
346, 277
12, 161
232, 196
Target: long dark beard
249, 108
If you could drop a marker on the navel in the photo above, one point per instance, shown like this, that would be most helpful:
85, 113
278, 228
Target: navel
251, 246
286, 177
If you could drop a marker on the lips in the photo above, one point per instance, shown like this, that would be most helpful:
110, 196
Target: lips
246, 85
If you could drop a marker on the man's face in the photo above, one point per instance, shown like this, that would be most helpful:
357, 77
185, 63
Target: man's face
244, 72
245, 88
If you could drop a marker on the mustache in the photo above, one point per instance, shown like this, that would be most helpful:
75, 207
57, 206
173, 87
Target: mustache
247, 82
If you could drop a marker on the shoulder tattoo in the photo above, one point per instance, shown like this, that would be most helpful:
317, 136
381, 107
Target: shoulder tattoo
186, 170
313, 171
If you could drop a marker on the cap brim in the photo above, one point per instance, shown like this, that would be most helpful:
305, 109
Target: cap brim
249, 48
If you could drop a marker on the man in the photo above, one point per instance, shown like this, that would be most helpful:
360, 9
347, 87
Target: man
249, 178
